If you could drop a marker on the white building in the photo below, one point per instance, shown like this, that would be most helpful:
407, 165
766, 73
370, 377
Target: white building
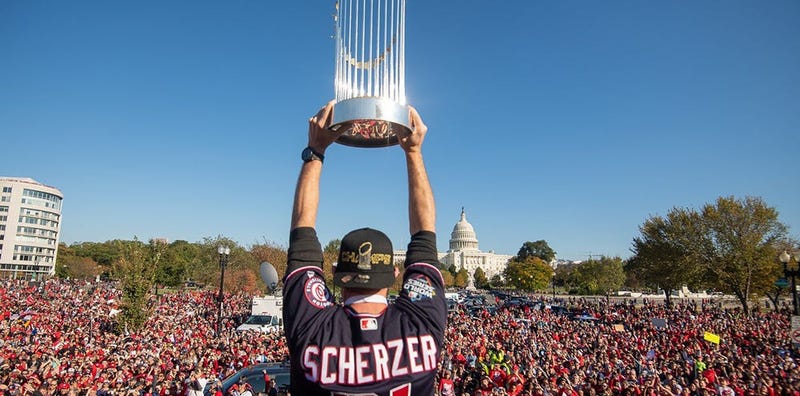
464, 252
30, 224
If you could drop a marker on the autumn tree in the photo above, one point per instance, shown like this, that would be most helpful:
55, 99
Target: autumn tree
461, 278
529, 275
737, 248
70, 265
272, 253
449, 279
330, 255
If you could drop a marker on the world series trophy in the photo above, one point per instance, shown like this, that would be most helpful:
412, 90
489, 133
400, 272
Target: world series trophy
370, 72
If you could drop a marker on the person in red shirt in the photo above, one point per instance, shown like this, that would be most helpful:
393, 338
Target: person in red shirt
515, 382
446, 386
498, 376
486, 387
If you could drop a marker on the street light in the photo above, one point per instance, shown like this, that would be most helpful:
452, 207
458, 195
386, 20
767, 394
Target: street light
793, 272
224, 253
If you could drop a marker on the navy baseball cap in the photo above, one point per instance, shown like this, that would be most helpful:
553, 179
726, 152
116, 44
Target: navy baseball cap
366, 260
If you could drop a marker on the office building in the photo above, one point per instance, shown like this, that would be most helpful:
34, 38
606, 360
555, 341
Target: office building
30, 225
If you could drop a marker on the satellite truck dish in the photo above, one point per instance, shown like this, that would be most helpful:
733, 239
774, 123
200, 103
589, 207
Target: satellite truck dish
269, 275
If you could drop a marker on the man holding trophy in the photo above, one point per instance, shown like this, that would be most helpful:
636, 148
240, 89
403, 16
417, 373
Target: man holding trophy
365, 346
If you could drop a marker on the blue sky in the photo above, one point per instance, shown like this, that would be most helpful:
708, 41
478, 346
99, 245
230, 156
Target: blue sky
571, 122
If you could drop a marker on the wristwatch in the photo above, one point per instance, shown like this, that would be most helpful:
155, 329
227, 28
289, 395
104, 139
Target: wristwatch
310, 154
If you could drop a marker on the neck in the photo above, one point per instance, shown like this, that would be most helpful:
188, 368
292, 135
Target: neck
372, 298
370, 302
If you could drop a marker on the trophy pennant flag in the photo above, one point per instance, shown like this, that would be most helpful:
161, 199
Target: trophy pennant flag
369, 81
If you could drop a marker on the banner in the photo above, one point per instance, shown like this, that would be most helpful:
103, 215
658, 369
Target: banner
711, 337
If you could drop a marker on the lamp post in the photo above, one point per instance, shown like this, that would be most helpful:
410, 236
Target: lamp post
793, 272
224, 253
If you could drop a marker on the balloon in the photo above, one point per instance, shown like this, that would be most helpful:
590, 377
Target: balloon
269, 275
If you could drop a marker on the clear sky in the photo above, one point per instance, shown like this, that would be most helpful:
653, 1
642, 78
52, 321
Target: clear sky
568, 121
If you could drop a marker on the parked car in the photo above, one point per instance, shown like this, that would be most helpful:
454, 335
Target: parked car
254, 375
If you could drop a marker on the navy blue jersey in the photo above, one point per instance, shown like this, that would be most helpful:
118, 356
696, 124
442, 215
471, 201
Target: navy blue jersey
336, 351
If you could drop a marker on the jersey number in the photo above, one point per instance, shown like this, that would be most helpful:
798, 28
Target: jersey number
402, 390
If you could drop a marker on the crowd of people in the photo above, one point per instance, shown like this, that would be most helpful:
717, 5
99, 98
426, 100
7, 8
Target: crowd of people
623, 348
60, 338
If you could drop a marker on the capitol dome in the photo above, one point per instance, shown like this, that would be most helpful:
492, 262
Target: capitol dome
463, 236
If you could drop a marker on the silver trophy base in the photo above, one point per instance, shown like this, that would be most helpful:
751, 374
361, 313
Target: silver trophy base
369, 122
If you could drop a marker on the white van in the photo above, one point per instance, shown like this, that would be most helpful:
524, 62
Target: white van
266, 315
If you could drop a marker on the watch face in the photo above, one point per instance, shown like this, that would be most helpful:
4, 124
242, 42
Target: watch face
307, 155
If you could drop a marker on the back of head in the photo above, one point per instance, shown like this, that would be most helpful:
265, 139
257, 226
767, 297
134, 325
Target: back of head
366, 260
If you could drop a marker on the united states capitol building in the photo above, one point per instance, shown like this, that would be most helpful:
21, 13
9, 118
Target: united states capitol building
464, 252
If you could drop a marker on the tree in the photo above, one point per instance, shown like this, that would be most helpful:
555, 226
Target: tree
480, 279
663, 253
461, 278
738, 246
774, 295
452, 269
207, 270
137, 270
68, 264
529, 275
179, 257
448, 278
566, 277
274, 254
600, 276
497, 281
330, 255
104, 254
538, 249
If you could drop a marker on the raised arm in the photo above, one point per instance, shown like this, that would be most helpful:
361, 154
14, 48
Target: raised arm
421, 206
306, 196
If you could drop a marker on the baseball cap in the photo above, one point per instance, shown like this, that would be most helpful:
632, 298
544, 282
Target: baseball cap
366, 260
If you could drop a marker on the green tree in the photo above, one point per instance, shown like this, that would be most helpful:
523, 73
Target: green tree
497, 281
207, 269
178, 258
156, 252
452, 269
600, 276
103, 253
529, 275
137, 269
538, 249
480, 279
663, 253
738, 246
565, 276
